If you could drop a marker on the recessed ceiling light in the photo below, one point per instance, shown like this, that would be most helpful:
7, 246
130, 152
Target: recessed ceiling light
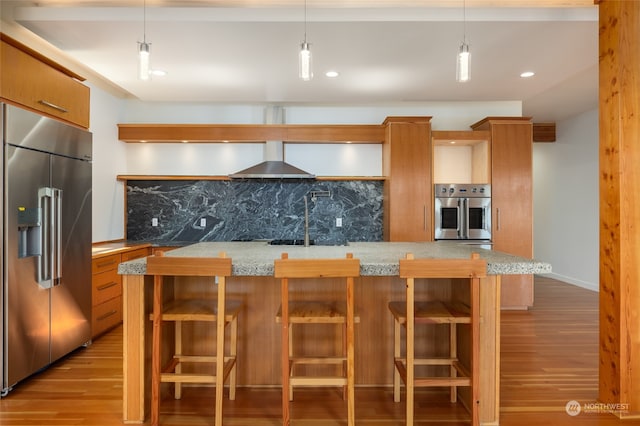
158, 73
332, 74
527, 74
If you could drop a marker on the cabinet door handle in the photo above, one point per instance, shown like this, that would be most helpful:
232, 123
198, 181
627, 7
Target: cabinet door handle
105, 263
107, 315
107, 285
54, 106
497, 219
424, 214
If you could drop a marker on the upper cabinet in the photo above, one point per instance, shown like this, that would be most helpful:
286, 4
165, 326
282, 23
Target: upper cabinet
32, 81
406, 163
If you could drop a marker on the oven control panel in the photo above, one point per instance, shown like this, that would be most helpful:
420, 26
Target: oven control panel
462, 190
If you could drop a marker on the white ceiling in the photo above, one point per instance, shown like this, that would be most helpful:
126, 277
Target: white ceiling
387, 52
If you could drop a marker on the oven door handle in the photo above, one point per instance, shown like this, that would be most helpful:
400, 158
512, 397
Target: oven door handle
463, 228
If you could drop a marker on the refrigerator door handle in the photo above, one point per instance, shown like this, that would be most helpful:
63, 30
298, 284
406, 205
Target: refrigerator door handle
45, 204
57, 237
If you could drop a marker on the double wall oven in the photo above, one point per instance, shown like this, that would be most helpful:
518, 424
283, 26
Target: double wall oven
462, 212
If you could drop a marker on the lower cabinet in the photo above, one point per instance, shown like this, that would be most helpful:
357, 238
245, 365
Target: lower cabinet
106, 293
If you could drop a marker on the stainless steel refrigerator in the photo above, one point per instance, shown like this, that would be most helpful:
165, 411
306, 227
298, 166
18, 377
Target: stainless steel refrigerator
46, 242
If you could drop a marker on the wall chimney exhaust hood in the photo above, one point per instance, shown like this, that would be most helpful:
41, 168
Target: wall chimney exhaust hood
274, 166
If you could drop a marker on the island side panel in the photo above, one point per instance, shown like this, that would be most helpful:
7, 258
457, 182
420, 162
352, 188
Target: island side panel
133, 345
490, 350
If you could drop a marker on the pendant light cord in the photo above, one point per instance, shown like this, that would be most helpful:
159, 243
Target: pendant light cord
305, 21
464, 21
144, 21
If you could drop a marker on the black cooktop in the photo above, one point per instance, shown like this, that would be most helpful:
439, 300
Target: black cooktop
289, 242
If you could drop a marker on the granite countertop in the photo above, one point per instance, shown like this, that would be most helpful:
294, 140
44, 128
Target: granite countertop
376, 258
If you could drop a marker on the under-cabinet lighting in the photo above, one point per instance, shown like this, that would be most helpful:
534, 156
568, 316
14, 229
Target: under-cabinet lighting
527, 74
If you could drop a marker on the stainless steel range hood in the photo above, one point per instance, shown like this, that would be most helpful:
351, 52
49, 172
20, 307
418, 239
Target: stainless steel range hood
274, 166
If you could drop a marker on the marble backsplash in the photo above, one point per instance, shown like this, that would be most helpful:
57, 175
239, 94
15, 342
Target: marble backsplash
253, 209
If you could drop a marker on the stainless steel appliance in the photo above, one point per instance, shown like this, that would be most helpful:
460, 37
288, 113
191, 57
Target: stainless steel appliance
46, 242
462, 212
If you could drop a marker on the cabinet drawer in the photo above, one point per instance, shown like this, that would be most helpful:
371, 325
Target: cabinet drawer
106, 285
135, 254
38, 86
103, 264
106, 315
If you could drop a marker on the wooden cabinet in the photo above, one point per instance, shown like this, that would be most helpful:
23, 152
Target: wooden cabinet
406, 163
106, 295
30, 80
512, 199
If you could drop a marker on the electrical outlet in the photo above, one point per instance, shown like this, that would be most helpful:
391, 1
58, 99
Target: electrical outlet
338, 222
203, 222
154, 221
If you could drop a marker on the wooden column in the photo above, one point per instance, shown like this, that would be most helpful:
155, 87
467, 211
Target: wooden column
620, 205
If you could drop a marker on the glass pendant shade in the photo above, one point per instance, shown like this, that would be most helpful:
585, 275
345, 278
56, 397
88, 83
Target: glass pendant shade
304, 66
463, 64
144, 49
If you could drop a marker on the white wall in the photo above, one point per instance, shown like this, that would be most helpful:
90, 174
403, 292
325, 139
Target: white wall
566, 201
109, 160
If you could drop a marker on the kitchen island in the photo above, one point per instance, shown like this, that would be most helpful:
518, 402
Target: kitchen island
252, 283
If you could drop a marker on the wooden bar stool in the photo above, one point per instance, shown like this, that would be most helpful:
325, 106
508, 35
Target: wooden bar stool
313, 312
181, 310
451, 313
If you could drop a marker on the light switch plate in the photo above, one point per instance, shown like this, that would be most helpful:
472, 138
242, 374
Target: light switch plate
203, 222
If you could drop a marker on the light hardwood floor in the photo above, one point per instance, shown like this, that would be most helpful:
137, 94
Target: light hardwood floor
549, 357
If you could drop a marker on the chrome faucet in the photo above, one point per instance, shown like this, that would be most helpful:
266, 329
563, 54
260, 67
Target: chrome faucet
314, 198
306, 222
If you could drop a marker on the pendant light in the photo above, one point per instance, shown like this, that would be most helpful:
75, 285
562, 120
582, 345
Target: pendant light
463, 62
144, 49
305, 71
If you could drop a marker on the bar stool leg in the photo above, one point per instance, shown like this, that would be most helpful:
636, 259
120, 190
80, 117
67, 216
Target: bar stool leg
285, 351
177, 392
291, 356
233, 353
396, 354
410, 351
155, 350
220, 325
453, 353
350, 355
